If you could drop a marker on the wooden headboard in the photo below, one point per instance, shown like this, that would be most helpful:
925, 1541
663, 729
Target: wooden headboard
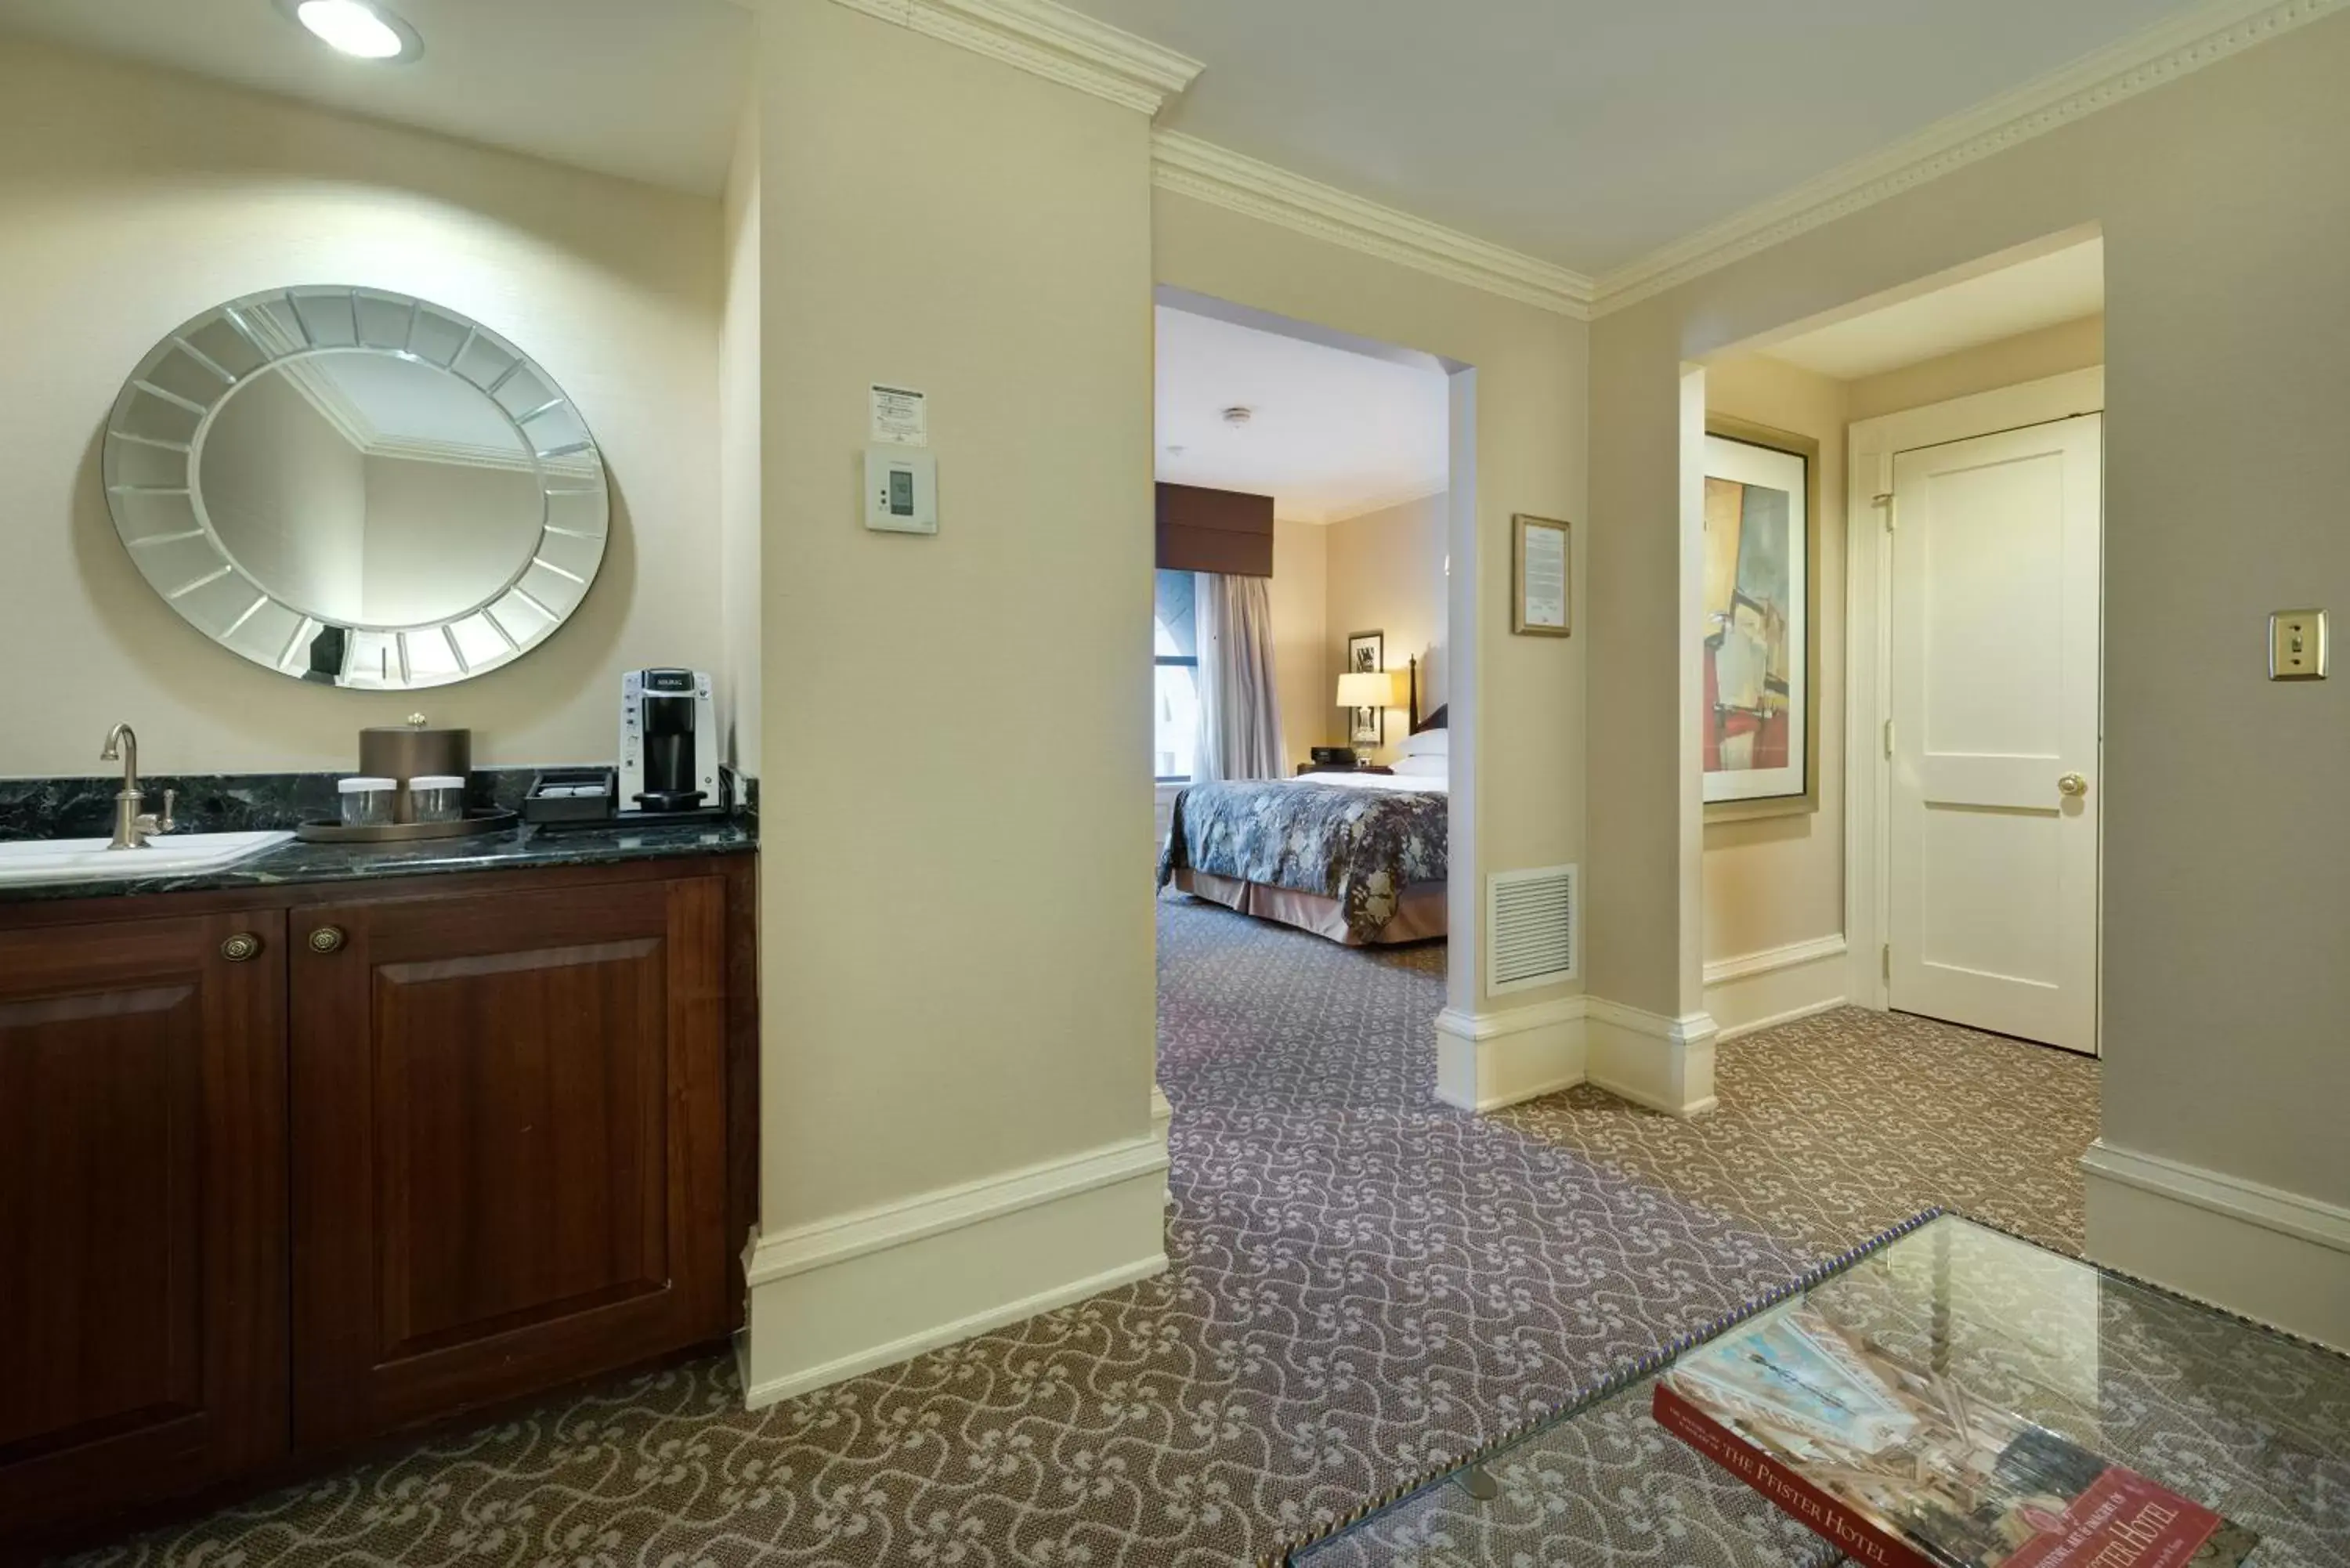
1435, 720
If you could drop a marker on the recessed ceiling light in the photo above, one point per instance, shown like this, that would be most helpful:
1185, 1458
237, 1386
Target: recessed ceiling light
357, 28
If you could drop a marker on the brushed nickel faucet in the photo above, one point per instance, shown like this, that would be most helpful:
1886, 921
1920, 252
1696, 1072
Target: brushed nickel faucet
133, 826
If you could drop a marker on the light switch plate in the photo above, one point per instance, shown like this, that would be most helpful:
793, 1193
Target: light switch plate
2297, 645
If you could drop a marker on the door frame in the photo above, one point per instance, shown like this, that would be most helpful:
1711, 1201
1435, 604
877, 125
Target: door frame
1870, 447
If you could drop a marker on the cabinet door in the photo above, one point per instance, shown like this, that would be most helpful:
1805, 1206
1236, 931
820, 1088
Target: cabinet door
509, 1161
142, 1211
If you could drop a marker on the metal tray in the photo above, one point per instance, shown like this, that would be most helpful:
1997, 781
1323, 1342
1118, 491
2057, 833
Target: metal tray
469, 826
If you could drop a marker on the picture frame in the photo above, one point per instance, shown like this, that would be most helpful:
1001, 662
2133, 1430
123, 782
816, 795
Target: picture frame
1759, 645
1542, 576
1367, 650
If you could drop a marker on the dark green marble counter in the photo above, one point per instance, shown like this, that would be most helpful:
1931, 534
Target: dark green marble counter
297, 863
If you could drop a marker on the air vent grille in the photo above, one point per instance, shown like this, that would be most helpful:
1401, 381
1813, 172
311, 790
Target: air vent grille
1530, 928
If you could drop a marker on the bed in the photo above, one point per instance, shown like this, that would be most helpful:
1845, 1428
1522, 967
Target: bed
1359, 859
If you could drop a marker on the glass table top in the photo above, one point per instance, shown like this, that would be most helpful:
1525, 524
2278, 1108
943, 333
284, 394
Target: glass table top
2248, 1422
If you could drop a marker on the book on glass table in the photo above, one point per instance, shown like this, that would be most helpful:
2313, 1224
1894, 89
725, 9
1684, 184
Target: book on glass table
1900, 1466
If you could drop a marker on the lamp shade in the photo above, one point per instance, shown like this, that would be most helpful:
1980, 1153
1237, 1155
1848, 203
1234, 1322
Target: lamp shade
1367, 689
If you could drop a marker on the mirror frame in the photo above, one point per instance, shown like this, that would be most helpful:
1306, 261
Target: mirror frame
152, 487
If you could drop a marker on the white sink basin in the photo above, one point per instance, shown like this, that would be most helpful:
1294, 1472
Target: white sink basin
89, 860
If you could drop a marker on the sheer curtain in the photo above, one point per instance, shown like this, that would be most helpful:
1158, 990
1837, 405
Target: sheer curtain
1240, 711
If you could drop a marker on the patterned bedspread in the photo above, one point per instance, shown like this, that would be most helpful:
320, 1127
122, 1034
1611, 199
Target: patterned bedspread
1362, 847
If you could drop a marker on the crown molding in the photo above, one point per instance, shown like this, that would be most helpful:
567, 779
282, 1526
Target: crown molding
330, 402
1199, 168
1078, 51
463, 454
2202, 37
351, 422
1050, 41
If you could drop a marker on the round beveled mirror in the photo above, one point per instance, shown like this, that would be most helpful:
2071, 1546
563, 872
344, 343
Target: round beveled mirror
356, 487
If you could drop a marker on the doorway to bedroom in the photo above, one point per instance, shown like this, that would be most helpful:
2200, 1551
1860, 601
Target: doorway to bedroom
1302, 650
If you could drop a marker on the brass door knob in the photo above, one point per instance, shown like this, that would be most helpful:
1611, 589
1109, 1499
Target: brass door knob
242, 947
2072, 785
327, 939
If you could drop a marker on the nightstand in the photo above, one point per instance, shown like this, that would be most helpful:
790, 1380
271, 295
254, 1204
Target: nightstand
1305, 768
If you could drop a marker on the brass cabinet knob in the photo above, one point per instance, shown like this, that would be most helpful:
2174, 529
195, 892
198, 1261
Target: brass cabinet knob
242, 947
2072, 784
327, 939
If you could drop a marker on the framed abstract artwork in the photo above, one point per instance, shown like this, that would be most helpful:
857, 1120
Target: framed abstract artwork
1759, 653
1367, 651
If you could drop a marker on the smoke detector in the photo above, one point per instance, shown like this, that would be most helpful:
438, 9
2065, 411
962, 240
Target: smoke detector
1238, 415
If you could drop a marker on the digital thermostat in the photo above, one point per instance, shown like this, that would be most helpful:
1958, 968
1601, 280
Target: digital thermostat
902, 490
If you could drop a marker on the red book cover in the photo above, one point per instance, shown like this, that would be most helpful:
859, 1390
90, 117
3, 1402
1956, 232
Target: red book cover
1900, 1467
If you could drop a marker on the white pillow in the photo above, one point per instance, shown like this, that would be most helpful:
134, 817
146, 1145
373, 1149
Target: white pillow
1437, 766
1426, 743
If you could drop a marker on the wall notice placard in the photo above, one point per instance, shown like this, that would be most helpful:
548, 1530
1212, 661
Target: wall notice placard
900, 416
1544, 586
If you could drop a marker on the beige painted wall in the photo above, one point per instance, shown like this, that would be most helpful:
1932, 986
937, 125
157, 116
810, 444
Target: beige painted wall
132, 199
1300, 654
1515, 797
1778, 880
288, 494
2224, 984
958, 963
1386, 575
1643, 882
444, 535
2027, 356
739, 369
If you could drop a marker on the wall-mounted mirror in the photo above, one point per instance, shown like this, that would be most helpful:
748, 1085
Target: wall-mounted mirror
356, 487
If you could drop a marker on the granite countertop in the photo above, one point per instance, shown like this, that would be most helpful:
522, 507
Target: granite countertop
247, 803
523, 845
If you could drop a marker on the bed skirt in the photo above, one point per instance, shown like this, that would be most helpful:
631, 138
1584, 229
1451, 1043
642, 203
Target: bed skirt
1420, 916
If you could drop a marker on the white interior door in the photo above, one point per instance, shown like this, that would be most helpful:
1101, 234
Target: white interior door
1993, 851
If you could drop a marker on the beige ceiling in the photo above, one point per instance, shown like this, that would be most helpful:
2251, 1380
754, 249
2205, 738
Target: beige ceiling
644, 88
2063, 286
1331, 433
1590, 132
1584, 132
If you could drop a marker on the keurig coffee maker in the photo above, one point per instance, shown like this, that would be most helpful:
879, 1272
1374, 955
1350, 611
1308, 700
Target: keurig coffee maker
669, 743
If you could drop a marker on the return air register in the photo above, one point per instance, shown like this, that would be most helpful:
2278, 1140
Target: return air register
1530, 928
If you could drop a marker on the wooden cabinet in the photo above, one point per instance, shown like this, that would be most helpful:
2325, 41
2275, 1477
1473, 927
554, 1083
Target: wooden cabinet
291, 1170
509, 1146
142, 1209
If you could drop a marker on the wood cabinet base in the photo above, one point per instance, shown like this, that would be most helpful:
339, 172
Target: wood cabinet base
284, 1173
143, 1202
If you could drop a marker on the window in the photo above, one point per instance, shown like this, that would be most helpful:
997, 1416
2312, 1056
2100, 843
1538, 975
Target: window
1175, 705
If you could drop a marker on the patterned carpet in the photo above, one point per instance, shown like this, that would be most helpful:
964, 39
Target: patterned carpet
1363, 1284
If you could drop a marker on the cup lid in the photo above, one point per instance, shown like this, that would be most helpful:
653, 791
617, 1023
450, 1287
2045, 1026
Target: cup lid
365, 785
437, 780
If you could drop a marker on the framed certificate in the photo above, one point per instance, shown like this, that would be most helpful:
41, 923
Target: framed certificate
1542, 576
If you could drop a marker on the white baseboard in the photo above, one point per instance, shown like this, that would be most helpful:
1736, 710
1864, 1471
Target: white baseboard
1664, 1064
846, 1295
1486, 1061
2274, 1256
1495, 1059
1778, 985
1162, 1119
